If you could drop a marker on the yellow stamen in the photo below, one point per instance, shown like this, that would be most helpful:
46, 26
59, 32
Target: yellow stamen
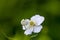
32, 23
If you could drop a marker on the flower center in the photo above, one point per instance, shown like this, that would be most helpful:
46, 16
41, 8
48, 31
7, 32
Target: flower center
32, 23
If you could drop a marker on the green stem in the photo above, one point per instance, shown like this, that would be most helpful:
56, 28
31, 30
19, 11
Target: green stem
6, 35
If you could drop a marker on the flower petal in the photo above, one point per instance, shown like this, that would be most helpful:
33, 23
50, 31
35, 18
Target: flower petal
24, 22
23, 27
28, 31
37, 29
39, 19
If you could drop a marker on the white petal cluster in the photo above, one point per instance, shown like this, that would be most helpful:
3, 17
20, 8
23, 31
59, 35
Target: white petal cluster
32, 25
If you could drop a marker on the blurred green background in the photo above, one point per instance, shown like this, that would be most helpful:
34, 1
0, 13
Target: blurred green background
13, 11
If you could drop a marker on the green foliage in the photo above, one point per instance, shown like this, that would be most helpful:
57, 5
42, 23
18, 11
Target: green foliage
13, 11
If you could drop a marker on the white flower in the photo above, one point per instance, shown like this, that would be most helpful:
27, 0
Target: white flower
32, 25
